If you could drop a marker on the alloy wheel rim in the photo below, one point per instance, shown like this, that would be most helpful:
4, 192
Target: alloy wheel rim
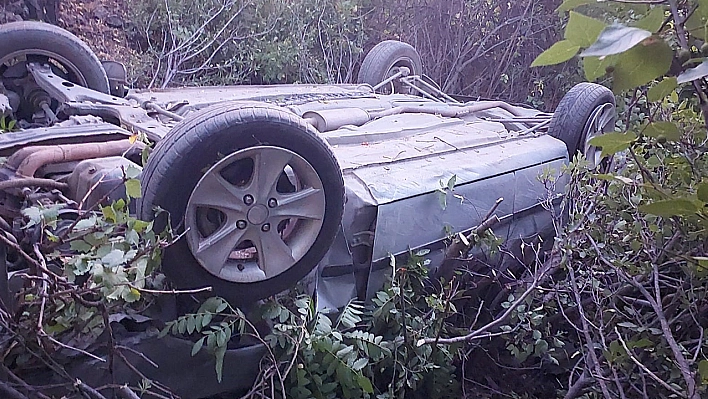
601, 121
255, 214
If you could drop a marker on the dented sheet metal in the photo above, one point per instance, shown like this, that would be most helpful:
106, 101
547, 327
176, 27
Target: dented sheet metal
399, 166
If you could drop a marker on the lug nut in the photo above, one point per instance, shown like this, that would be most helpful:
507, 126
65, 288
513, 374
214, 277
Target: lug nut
241, 224
248, 199
272, 202
266, 227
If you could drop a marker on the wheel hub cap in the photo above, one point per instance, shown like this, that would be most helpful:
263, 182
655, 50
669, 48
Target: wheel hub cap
254, 214
258, 214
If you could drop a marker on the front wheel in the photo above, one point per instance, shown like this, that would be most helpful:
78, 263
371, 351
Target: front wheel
586, 111
25, 42
260, 194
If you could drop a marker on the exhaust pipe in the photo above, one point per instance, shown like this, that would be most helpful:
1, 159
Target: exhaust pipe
28, 160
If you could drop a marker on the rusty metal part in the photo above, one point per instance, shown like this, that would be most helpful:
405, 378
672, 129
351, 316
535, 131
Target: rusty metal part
27, 160
332, 119
150, 106
66, 91
402, 72
10, 142
78, 100
134, 118
449, 111
411, 82
32, 182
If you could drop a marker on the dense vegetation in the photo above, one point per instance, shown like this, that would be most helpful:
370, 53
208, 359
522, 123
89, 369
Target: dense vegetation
473, 47
616, 307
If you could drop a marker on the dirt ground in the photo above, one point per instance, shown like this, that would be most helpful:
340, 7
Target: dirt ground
101, 24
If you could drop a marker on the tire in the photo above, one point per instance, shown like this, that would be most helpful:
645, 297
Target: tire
225, 139
384, 58
573, 119
45, 40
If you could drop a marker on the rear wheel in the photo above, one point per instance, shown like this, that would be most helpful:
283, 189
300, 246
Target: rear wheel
586, 111
260, 195
385, 60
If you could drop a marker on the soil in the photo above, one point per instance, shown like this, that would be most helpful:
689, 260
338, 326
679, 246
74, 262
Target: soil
101, 24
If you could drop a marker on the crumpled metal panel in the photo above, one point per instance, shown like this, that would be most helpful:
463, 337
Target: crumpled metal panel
403, 175
191, 98
418, 221
396, 164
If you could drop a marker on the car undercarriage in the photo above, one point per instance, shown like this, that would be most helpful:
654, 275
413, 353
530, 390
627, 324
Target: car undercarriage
267, 185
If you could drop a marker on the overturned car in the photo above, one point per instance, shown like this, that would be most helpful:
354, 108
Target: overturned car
268, 184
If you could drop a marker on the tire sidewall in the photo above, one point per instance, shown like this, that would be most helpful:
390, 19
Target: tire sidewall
570, 119
379, 62
180, 265
26, 35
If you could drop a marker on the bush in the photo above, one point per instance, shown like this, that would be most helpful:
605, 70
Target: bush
630, 302
249, 41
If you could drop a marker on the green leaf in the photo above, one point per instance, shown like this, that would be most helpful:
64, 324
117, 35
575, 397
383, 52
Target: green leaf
627, 324
696, 23
666, 129
221, 338
198, 346
181, 326
219, 366
668, 208
610, 177
613, 142
595, 68
692, 74
451, 182
144, 155
364, 383
119, 205
703, 371
442, 199
109, 214
191, 324
344, 351
132, 172
583, 31
560, 52
206, 319
702, 192
360, 364
80, 246
615, 39
701, 266
653, 20
642, 64
86, 223
132, 188
130, 295
113, 258
659, 91
165, 330
572, 4
42, 215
